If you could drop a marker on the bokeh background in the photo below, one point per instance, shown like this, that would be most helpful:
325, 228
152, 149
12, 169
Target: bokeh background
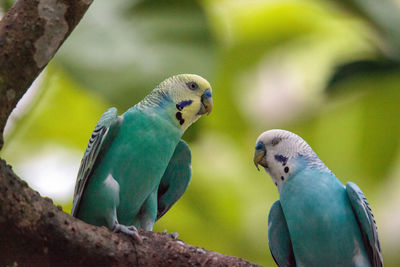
326, 70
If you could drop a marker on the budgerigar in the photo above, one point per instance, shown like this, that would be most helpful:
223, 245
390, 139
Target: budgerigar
136, 166
316, 221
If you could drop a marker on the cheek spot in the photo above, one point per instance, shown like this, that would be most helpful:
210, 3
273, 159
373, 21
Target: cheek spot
281, 159
286, 169
183, 104
178, 116
178, 107
276, 183
282, 178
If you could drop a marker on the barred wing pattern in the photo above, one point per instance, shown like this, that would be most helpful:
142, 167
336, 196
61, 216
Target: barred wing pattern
367, 223
102, 136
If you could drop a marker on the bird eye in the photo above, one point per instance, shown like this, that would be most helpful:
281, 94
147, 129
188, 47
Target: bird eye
192, 85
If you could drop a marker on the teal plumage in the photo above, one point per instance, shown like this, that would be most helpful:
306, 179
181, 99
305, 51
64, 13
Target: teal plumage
175, 180
317, 221
128, 155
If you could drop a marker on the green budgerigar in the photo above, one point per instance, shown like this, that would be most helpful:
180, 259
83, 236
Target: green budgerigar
316, 221
136, 166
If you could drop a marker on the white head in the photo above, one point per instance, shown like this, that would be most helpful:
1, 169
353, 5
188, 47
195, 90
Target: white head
276, 151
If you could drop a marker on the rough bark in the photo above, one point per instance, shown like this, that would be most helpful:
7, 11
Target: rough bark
30, 34
35, 232
32, 230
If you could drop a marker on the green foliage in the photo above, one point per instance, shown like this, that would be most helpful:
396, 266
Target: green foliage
61, 112
5, 5
270, 64
119, 48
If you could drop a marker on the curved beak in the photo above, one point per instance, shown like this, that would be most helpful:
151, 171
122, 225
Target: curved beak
259, 154
206, 103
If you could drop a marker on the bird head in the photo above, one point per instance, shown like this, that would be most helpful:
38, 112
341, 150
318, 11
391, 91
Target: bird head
191, 95
280, 152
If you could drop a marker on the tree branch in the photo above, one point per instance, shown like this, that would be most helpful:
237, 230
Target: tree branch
30, 34
33, 231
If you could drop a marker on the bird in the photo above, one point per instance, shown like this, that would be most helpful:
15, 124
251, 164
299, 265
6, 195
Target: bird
136, 166
317, 221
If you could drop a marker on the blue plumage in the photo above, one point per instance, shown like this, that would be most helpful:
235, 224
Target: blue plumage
317, 221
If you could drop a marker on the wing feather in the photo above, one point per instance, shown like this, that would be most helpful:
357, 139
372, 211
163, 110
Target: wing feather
175, 180
367, 223
101, 137
279, 240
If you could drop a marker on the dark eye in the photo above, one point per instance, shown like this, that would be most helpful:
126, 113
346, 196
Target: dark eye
192, 85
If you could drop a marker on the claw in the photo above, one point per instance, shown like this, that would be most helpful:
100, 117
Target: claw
173, 235
128, 230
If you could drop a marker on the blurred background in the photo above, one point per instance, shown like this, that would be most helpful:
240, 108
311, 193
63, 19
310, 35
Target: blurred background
326, 70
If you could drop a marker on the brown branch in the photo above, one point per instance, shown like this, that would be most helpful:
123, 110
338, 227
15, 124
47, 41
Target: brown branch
30, 34
32, 230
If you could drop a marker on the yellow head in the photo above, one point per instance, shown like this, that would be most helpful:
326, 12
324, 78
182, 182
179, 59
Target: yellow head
191, 95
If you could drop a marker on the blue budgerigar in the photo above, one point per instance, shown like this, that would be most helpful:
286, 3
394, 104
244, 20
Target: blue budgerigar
316, 221
136, 166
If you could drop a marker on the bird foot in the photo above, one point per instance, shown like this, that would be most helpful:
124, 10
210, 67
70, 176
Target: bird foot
128, 230
173, 235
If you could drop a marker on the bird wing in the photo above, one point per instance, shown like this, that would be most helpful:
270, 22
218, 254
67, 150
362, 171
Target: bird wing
176, 178
279, 240
101, 138
367, 223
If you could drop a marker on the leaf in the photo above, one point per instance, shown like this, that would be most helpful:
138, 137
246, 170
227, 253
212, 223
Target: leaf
362, 68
